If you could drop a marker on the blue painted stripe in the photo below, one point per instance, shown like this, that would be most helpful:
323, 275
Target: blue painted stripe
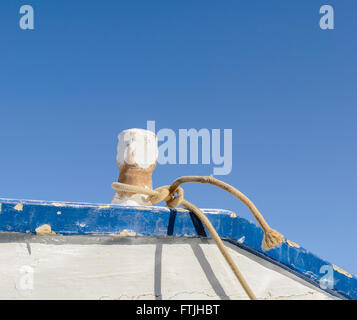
84, 218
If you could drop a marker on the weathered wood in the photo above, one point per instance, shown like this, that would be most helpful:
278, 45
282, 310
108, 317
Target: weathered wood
83, 237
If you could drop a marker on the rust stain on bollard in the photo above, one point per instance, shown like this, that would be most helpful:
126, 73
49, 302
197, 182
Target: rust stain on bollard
136, 159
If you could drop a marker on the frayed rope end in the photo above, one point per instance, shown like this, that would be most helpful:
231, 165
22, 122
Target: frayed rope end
272, 239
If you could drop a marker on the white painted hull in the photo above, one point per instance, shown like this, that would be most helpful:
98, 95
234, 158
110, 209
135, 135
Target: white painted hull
106, 267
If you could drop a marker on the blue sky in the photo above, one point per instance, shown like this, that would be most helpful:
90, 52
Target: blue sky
264, 69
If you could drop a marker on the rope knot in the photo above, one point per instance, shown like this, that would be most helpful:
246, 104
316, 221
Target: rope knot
161, 194
271, 239
176, 198
172, 198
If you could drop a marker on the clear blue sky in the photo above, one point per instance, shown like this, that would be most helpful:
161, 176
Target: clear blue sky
262, 68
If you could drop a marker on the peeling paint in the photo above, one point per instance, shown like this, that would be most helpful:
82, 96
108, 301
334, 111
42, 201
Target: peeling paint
19, 207
340, 270
292, 244
293, 296
43, 230
147, 208
311, 274
124, 233
58, 204
241, 240
104, 207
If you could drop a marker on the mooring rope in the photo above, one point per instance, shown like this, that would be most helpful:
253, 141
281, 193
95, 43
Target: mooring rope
173, 195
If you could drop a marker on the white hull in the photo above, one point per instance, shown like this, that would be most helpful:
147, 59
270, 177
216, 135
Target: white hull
112, 267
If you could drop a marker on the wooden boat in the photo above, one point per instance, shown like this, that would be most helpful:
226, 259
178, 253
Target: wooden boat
61, 250
118, 252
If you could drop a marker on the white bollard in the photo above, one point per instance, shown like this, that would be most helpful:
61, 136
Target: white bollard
137, 155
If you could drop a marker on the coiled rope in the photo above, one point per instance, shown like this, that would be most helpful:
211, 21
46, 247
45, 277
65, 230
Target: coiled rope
173, 195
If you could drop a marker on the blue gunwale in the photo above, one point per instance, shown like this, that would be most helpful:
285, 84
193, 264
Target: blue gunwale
70, 218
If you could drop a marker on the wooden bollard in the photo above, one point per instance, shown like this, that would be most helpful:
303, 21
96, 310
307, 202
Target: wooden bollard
137, 155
